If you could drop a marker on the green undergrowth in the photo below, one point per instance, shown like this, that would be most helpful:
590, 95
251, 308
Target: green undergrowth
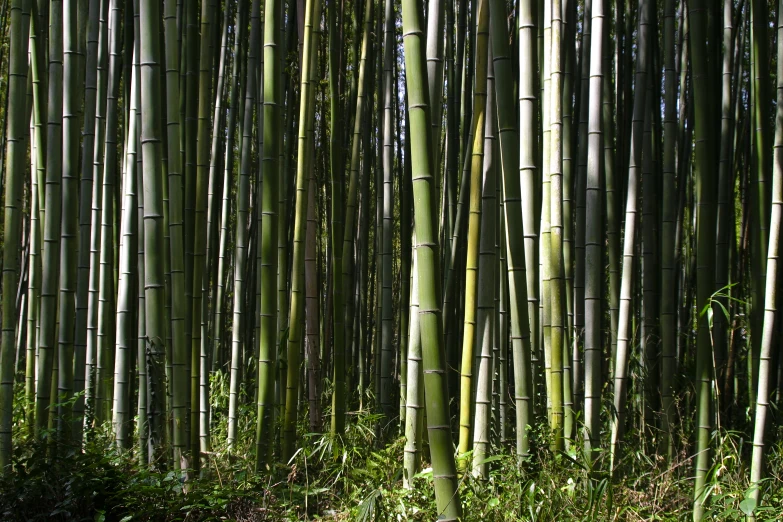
355, 477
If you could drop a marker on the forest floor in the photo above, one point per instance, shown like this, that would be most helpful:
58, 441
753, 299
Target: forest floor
357, 478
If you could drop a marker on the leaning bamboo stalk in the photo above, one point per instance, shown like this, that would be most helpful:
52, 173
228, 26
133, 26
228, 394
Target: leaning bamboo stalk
106, 294
93, 302
634, 168
510, 160
485, 305
466, 406
303, 165
766, 354
351, 202
243, 217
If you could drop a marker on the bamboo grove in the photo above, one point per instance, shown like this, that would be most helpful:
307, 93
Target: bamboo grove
528, 226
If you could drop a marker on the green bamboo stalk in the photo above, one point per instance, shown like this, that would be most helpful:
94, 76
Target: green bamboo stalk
142, 408
335, 171
91, 356
414, 389
14, 182
487, 268
502, 339
178, 302
50, 260
453, 75
268, 245
33, 287
414, 414
456, 157
228, 168
312, 308
243, 217
572, 365
425, 215
634, 167
545, 243
436, 12
669, 211
150, 84
106, 282
650, 332
201, 182
721, 321
86, 184
529, 183
613, 161
189, 98
283, 235
405, 252
387, 316
759, 96
466, 406
126, 293
766, 357
303, 166
512, 211
139, 365
705, 253
39, 30
351, 202
214, 188
560, 387
38, 173
594, 256
576, 136
705, 194
69, 218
